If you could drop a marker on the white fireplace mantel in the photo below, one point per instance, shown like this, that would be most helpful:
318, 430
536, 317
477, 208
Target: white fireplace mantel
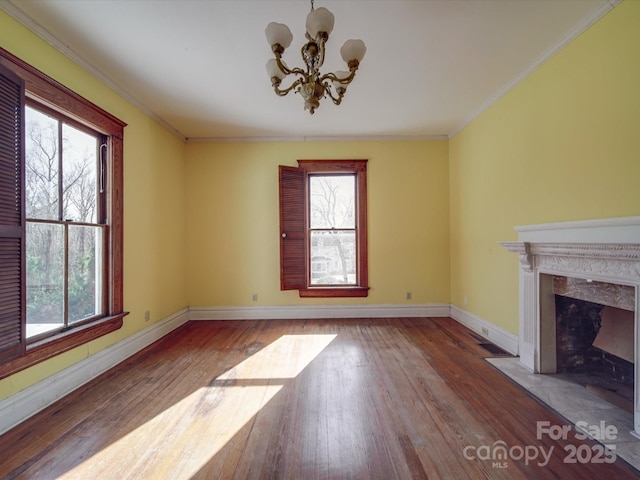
606, 250
615, 260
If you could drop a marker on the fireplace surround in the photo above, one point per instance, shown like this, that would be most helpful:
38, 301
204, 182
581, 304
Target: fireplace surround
605, 250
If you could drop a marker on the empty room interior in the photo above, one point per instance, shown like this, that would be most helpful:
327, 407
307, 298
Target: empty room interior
416, 256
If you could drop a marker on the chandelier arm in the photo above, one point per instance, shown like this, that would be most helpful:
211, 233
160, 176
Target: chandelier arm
343, 81
288, 71
329, 91
311, 84
283, 92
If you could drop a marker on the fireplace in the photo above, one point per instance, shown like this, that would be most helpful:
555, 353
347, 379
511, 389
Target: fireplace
589, 253
594, 337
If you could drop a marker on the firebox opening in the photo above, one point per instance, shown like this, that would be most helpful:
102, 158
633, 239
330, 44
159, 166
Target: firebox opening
594, 340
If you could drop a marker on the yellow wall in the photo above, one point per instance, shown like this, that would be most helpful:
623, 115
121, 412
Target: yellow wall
563, 145
154, 230
224, 200
233, 229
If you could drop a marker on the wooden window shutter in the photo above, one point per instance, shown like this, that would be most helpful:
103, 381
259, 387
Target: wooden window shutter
292, 228
12, 271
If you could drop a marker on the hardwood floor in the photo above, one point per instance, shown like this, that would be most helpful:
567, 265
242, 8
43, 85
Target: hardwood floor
321, 399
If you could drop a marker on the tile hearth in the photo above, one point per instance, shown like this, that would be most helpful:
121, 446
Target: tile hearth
576, 404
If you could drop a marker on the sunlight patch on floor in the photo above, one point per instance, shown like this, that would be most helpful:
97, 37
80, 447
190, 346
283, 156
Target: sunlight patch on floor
203, 423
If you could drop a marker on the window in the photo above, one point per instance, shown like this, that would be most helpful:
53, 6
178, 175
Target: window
65, 224
60, 218
323, 223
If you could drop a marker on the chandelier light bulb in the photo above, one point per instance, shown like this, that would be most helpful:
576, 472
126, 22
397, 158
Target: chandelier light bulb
320, 20
310, 83
353, 50
278, 34
273, 70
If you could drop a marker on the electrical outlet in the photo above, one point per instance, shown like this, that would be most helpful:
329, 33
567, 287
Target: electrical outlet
465, 300
254, 297
485, 331
409, 295
147, 315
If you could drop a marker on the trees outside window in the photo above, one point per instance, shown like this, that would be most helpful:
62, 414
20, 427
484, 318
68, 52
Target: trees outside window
61, 222
332, 229
323, 244
65, 230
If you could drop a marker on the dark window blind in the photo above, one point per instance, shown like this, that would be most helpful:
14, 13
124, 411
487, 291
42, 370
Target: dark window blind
12, 333
292, 228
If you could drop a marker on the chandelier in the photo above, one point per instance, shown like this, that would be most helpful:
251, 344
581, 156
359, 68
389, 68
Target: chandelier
310, 83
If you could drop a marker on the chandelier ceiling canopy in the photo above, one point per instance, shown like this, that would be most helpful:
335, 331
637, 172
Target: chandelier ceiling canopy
309, 82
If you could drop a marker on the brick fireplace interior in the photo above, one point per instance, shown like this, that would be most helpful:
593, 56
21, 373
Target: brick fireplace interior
595, 336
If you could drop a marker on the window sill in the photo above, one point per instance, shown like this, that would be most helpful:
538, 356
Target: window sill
333, 292
45, 349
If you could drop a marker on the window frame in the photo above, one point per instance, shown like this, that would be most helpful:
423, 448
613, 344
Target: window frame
43, 90
101, 219
292, 200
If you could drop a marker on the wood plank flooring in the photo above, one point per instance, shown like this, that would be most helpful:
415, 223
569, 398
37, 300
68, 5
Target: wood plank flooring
305, 399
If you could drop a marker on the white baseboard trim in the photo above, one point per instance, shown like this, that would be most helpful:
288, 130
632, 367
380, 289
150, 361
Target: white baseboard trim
318, 311
26, 403
503, 338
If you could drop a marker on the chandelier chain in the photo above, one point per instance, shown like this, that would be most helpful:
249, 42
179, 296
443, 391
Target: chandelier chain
312, 5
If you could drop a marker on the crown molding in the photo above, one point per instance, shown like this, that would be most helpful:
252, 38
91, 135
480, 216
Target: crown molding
10, 9
583, 25
363, 138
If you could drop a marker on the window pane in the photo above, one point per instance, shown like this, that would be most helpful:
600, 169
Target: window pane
45, 277
42, 165
333, 258
332, 199
79, 172
85, 274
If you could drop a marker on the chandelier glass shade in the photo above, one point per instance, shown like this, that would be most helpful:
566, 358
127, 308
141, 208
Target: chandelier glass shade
309, 82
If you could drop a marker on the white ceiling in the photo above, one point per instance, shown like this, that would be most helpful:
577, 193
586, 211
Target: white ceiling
198, 66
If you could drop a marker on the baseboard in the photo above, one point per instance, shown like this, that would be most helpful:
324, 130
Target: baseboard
503, 338
318, 311
26, 403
